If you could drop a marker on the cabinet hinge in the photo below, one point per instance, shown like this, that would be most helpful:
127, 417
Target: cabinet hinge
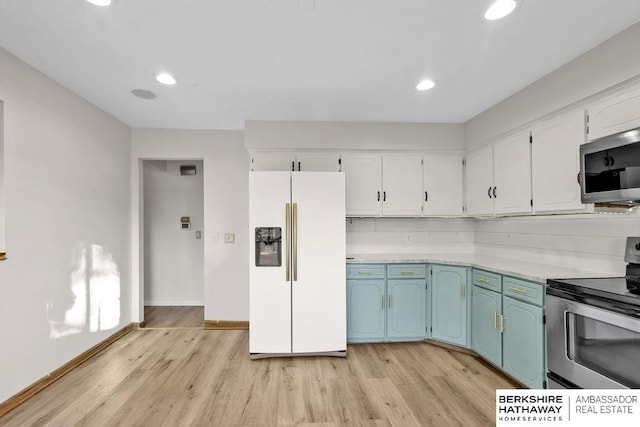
531, 202
544, 384
587, 118
544, 319
431, 329
422, 162
530, 139
464, 162
339, 161
422, 208
587, 130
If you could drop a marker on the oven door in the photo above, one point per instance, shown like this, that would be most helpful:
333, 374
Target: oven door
592, 347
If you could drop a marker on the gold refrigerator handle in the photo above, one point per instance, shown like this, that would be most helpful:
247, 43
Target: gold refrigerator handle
295, 242
287, 239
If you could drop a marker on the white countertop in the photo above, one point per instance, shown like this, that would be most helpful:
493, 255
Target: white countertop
511, 267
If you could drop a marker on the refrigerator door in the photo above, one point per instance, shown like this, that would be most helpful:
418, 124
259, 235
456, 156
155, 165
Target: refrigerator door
318, 262
269, 288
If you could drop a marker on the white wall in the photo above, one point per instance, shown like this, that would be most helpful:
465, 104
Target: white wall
1, 176
352, 135
409, 236
174, 258
226, 210
593, 242
611, 63
65, 284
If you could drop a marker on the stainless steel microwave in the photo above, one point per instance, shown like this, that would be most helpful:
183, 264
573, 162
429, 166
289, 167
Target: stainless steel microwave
610, 169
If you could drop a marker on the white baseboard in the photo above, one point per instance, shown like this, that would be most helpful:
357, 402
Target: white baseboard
174, 303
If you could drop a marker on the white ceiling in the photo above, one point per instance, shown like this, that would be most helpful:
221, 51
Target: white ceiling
344, 60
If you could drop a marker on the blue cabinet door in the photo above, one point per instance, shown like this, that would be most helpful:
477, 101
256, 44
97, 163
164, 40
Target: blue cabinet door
366, 305
523, 341
486, 338
449, 304
405, 308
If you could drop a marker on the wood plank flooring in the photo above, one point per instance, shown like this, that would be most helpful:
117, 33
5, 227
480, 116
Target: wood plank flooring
183, 377
173, 316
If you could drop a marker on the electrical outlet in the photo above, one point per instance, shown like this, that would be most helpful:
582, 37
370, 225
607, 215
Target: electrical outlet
229, 237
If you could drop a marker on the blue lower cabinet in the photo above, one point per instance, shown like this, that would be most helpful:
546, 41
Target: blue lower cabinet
523, 342
406, 308
508, 326
486, 336
449, 304
386, 308
366, 313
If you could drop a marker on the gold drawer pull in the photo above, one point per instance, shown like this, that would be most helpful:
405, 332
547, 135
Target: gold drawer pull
495, 320
407, 272
382, 301
518, 290
482, 279
390, 300
463, 291
365, 272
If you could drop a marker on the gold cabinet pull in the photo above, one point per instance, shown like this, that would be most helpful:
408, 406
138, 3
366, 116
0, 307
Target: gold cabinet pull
482, 280
295, 242
407, 272
502, 322
288, 239
382, 301
364, 272
495, 320
390, 300
518, 290
463, 291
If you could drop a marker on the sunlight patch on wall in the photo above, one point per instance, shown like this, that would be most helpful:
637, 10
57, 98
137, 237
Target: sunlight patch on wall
93, 303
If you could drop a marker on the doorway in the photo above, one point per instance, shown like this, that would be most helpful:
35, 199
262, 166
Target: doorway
173, 194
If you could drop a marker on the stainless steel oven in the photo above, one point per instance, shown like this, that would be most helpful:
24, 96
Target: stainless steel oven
592, 342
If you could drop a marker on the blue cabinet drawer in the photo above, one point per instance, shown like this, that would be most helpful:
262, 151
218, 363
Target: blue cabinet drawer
484, 279
406, 271
523, 290
365, 271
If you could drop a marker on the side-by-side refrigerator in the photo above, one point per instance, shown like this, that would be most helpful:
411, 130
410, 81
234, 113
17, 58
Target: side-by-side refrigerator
297, 278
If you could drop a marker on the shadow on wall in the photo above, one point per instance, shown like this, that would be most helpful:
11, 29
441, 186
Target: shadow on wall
93, 301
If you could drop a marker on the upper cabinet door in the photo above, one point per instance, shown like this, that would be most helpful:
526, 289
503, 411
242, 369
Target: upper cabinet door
317, 162
402, 190
363, 174
272, 161
555, 159
479, 181
442, 185
614, 114
512, 174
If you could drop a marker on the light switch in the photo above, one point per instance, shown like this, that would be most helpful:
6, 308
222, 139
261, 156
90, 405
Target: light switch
229, 237
198, 234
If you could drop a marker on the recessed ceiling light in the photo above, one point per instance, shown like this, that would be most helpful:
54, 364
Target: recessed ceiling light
100, 2
166, 79
499, 9
426, 84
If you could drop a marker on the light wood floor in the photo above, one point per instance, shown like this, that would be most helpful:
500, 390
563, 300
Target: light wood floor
173, 316
181, 377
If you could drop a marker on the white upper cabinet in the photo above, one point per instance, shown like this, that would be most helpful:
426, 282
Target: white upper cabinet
512, 174
479, 181
402, 185
499, 177
555, 160
442, 185
363, 175
614, 114
272, 161
290, 161
317, 162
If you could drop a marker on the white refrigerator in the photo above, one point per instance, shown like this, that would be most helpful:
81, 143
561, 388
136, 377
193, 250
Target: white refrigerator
297, 276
